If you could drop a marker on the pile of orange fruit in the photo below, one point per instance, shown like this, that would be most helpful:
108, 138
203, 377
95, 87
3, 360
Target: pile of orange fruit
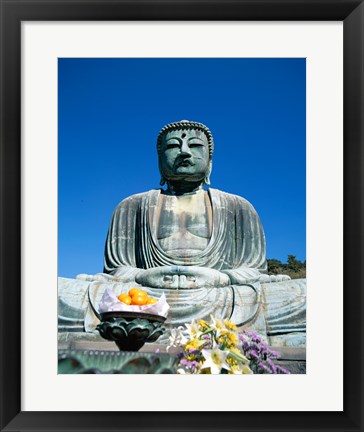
137, 297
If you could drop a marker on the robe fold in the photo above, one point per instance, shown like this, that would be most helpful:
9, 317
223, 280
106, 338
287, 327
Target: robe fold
237, 238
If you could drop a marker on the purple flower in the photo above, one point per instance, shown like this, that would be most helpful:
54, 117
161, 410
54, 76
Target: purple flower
249, 334
245, 346
254, 354
282, 370
256, 347
264, 351
191, 364
257, 338
273, 354
264, 367
272, 365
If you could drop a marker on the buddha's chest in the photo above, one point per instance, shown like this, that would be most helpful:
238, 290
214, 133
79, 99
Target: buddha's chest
184, 223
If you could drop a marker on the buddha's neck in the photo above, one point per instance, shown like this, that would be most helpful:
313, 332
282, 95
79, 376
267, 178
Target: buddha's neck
184, 188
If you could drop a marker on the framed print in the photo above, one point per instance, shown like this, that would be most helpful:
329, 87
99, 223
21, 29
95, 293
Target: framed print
41, 44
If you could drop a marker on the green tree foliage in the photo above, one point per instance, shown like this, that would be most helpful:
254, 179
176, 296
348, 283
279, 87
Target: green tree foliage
294, 268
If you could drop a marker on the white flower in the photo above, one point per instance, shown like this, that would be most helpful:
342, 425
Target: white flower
216, 324
241, 370
177, 338
193, 329
215, 359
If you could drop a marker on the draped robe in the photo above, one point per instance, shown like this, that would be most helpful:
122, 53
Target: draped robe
237, 239
236, 247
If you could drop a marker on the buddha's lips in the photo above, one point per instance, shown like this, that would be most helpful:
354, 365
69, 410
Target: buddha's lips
184, 163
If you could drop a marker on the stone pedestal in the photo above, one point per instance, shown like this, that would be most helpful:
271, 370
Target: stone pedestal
100, 356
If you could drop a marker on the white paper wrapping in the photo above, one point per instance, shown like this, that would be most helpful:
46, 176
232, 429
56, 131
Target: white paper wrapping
110, 303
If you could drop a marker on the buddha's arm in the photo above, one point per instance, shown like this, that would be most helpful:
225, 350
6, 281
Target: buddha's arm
121, 246
243, 275
126, 273
248, 264
121, 274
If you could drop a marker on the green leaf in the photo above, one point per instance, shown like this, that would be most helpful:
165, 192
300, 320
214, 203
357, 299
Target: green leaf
238, 357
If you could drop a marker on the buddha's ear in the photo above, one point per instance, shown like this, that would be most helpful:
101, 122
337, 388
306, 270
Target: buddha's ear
163, 180
206, 180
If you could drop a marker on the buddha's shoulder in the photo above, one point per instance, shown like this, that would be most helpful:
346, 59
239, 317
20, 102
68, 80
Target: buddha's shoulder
231, 198
137, 199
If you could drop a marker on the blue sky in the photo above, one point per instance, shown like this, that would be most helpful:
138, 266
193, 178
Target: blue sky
111, 110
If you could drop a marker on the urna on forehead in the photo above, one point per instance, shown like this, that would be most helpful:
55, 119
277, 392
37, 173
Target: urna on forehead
186, 125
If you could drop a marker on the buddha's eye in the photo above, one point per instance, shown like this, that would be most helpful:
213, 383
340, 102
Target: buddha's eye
172, 145
195, 144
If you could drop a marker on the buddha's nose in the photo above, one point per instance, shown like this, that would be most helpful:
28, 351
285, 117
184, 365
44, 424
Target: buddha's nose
185, 149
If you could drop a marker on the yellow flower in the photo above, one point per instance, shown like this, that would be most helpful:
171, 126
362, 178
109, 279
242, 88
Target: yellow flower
235, 369
203, 325
191, 357
228, 338
231, 362
230, 325
192, 344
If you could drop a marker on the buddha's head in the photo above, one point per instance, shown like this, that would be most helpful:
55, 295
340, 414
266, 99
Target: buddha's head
185, 152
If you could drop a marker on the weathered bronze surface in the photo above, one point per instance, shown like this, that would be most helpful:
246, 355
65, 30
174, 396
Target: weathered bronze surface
117, 362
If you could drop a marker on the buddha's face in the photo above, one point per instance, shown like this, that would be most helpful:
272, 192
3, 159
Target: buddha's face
184, 155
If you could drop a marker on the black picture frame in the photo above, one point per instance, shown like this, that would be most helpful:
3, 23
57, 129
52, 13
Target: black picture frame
13, 12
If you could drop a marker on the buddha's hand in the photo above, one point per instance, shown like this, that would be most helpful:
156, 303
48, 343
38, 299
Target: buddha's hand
201, 277
179, 277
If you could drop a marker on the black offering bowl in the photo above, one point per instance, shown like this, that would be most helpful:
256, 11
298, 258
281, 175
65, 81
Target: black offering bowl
130, 330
